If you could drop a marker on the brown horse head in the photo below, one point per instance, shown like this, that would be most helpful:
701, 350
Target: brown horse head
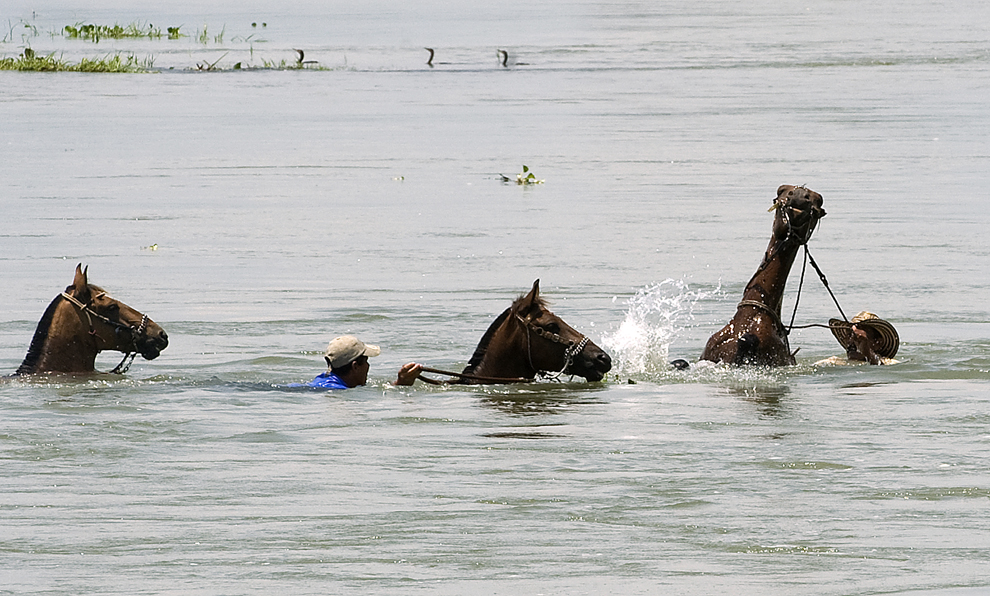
756, 334
83, 321
528, 339
798, 211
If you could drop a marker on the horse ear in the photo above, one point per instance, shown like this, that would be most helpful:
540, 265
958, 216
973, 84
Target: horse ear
531, 300
80, 284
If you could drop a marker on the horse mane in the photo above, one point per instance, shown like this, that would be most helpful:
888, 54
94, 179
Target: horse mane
482, 349
38, 342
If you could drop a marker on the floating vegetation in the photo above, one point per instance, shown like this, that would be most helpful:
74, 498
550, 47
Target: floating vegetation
95, 33
525, 178
29, 32
30, 61
282, 64
212, 65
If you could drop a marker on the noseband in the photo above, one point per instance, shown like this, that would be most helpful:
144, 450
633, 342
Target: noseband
786, 209
791, 236
135, 332
571, 348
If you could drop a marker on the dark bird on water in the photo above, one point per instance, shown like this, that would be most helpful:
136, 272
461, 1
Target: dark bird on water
430, 61
503, 57
302, 56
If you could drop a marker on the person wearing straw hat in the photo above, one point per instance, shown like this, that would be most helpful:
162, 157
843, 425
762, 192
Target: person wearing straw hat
347, 365
866, 338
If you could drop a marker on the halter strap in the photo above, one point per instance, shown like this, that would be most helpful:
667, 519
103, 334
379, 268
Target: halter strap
571, 349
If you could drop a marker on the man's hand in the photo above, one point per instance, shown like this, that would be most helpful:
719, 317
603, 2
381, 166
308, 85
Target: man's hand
864, 346
408, 374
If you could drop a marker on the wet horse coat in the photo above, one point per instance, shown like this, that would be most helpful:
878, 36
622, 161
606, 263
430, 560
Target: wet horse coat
756, 334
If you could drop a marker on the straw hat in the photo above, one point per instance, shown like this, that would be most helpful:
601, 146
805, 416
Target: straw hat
343, 350
887, 340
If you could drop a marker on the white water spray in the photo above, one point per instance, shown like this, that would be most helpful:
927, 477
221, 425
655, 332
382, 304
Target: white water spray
656, 315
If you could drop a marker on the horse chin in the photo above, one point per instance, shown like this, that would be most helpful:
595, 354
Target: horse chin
151, 348
150, 354
593, 375
592, 368
590, 373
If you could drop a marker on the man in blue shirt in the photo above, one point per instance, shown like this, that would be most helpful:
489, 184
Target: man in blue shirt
347, 365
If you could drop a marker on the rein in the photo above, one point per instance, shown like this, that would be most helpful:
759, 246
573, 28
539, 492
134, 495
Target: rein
824, 280
470, 377
807, 257
135, 332
571, 350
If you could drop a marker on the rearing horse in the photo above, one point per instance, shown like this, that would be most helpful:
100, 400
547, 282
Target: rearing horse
756, 334
526, 340
81, 322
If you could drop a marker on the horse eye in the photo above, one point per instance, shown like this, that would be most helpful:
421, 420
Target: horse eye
553, 328
114, 307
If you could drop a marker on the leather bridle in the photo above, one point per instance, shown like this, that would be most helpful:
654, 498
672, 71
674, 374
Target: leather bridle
571, 348
118, 327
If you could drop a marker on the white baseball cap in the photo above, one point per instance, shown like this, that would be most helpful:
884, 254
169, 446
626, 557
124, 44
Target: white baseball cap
345, 349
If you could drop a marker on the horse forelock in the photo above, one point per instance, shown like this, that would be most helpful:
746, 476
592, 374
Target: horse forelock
36, 348
482, 349
538, 301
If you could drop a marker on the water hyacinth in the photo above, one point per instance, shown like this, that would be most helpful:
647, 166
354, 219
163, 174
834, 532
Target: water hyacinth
95, 33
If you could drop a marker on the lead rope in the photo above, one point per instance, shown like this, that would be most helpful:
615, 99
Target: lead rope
824, 280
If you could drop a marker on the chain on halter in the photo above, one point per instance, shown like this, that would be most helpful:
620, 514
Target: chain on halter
571, 349
135, 332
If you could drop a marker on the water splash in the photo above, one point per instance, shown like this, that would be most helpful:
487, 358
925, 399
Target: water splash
656, 315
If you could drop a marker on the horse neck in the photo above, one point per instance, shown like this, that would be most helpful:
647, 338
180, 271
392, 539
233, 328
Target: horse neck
767, 284
507, 355
69, 346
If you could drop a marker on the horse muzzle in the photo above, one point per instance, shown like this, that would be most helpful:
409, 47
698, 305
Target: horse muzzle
592, 363
151, 343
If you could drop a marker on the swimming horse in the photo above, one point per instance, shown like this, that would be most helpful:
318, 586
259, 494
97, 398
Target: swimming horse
81, 322
527, 340
756, 334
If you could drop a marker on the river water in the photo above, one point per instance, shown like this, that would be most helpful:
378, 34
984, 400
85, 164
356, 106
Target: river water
257, 213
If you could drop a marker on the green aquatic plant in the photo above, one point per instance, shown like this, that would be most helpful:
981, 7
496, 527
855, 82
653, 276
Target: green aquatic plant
29, 32
525, 178
173, 32
213, 65
281, 65
94, 33
31, 61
